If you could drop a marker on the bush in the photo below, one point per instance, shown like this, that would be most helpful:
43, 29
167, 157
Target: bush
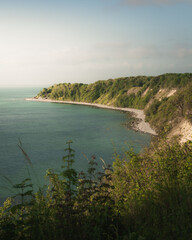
146, 196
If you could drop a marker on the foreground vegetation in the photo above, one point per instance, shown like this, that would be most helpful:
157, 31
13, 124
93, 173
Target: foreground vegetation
143, 196
162, 111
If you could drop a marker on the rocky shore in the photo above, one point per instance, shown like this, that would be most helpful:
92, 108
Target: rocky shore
140, 125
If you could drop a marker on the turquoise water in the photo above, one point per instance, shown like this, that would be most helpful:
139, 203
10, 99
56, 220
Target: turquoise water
44, 128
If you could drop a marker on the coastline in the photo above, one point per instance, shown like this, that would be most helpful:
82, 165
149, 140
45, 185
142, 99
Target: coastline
141, 126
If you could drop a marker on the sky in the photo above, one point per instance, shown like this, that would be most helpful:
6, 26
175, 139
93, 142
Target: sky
44, 42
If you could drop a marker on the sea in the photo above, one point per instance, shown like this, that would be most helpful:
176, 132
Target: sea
42, 130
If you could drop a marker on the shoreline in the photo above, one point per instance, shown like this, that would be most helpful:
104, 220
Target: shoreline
142, 126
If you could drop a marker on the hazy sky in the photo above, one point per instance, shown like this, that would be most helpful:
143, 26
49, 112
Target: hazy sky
43, 42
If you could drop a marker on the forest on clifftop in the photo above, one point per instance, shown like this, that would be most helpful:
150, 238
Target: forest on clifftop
166, 99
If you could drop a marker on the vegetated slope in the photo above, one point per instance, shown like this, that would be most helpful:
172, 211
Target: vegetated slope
166, 99
144, 197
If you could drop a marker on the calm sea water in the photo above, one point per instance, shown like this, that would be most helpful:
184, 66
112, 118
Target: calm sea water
44, 128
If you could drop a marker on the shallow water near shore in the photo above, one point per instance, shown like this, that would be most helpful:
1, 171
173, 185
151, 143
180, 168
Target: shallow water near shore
44, 128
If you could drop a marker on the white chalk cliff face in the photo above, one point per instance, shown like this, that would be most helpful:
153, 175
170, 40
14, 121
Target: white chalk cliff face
162, 93
183, 130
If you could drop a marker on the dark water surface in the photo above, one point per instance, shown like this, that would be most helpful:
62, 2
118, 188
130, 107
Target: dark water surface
44, 128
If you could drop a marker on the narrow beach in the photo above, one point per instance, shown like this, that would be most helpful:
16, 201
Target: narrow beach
139, 114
